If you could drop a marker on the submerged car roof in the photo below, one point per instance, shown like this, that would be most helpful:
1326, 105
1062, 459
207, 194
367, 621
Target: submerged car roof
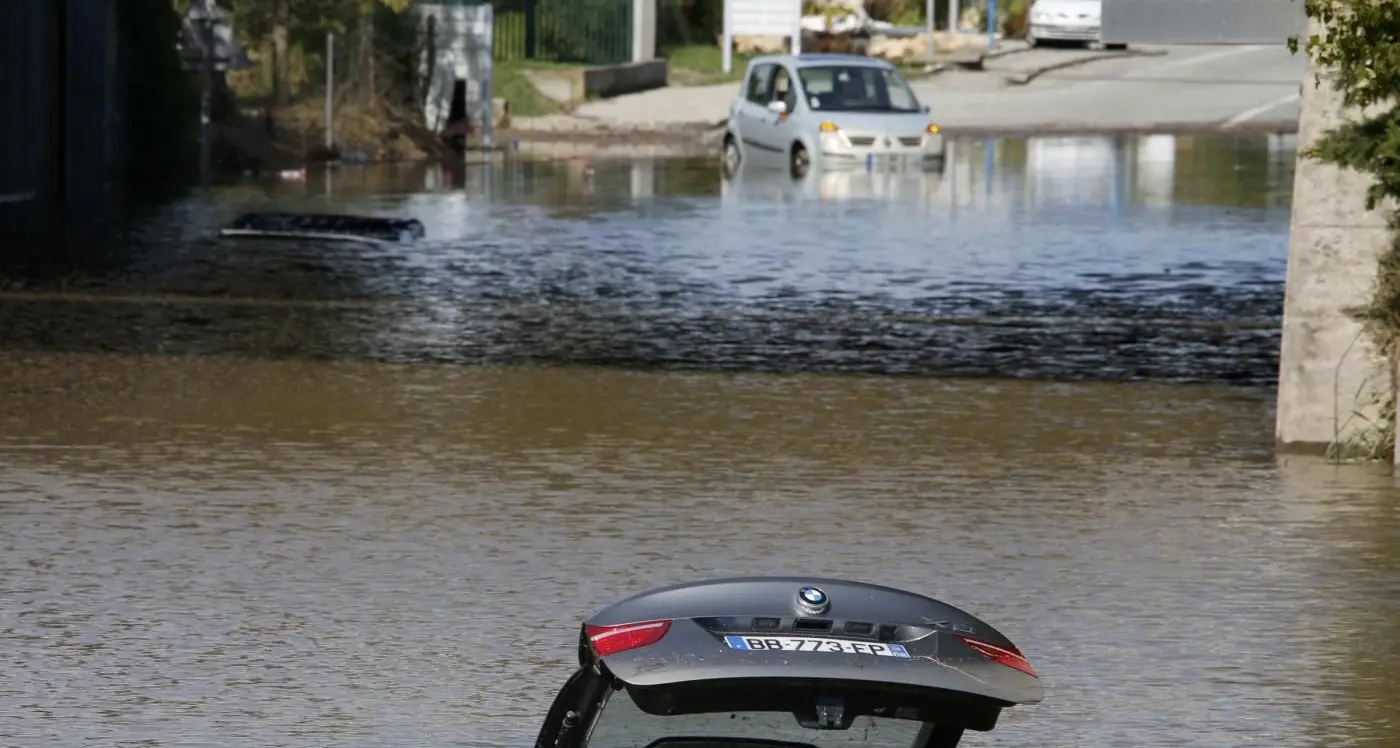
328, 226
809, 629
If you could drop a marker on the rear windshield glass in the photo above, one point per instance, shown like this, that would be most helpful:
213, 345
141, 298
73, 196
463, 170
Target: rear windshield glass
623, 725
856, 88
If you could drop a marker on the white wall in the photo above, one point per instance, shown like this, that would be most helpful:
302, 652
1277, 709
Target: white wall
462, 52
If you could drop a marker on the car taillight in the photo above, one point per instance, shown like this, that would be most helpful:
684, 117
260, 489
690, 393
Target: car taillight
609, 640
1008, 656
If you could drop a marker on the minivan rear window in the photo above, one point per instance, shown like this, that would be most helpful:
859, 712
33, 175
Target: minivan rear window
621, 724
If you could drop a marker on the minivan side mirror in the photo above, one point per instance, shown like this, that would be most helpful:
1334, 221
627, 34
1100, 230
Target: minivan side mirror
777, 107
925, 108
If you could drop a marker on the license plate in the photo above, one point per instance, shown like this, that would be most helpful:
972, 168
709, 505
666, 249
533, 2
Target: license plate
889, 161
809, 644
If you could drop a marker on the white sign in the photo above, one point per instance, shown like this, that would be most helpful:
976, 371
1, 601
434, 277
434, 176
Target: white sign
760, 18
764, 17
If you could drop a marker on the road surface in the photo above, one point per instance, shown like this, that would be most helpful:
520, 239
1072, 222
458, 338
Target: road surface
1174, 87
1163, 88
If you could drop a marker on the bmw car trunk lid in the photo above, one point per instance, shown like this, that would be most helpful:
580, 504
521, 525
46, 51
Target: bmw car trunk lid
750, 634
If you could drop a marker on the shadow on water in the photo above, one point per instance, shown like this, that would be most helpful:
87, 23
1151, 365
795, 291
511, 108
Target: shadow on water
1071, 258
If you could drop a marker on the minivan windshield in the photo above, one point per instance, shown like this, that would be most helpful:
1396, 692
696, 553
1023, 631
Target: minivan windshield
622, 724
856, 88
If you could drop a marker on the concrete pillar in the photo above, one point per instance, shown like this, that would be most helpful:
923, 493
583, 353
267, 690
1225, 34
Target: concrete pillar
1329, 374
643, 30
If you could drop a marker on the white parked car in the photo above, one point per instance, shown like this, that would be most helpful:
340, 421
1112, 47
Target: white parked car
828, 111
1072, 21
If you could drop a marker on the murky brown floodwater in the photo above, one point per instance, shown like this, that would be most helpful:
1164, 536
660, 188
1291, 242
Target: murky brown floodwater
234, 518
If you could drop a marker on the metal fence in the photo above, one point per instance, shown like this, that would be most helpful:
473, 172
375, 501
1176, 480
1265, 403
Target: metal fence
593, 32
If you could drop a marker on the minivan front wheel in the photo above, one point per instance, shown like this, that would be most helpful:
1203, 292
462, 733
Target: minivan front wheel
731, 157
799, 162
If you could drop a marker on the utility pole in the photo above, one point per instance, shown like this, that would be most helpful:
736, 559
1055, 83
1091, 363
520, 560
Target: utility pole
330, 91
488, 121
206, 86
928, 28
991, 25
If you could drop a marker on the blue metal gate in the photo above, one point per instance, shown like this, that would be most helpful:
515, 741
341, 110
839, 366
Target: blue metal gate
1201, 21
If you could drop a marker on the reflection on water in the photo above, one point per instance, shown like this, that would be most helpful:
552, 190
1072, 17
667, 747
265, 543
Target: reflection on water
1061, 258
334, 533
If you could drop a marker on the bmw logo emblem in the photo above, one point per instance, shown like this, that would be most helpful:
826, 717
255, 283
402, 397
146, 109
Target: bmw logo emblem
812, 599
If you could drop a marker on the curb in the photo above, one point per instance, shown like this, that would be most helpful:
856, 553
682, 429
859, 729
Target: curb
931, 70
979, 63
1021, 79
1000, 53
662, 143
1126, 129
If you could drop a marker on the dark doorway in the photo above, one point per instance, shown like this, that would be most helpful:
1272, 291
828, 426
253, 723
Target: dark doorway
458, 126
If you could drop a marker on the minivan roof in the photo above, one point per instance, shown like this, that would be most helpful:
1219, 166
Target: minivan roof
818, 59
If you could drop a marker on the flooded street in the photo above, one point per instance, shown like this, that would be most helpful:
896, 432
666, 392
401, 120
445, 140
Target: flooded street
1158, 259
271, 496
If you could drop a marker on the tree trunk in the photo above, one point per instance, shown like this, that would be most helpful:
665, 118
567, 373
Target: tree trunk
367, 54
281, 65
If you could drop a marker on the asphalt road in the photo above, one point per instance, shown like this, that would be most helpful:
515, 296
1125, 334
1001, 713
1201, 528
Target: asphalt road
1166, 88
1162, 89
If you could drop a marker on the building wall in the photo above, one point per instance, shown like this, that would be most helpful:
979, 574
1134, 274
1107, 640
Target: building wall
60, 136
1201, 21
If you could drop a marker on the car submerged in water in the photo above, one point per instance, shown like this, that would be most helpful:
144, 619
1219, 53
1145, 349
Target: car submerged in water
785, 662
325, 227
828, 111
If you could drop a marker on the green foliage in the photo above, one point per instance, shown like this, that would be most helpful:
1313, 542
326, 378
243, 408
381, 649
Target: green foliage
1359, 44
1370, 146
685, 22
161, 109
309, 21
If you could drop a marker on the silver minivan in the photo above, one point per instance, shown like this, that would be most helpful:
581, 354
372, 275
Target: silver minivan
828, 111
